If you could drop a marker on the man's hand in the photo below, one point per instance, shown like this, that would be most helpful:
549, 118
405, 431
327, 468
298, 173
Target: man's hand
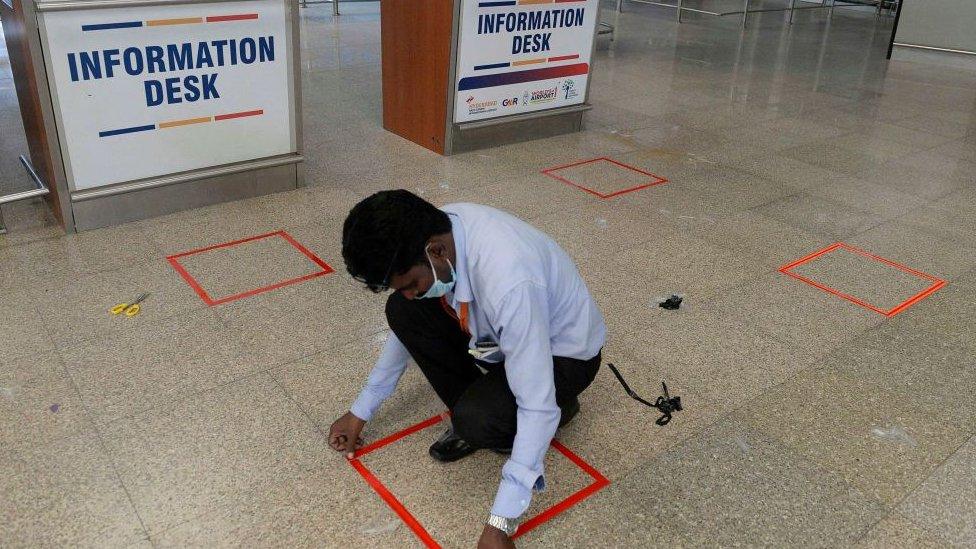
493, 538
344, 434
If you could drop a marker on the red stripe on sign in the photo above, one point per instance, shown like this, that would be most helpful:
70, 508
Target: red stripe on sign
239, 17
239, 114
563, 58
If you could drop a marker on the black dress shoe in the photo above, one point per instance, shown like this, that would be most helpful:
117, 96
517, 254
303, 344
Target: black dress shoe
450, 447
569, 412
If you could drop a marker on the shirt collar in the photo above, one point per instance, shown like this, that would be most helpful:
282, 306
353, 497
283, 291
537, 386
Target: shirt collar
462, 287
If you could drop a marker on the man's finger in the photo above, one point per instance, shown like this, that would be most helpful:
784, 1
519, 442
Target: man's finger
338, 442
351, 445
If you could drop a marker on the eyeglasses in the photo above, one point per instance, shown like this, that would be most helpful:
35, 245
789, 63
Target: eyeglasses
385, 285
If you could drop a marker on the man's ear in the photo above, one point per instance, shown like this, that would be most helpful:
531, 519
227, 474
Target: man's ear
436, 247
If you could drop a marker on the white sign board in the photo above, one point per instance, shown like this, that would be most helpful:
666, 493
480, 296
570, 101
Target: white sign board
142, 92
517, 56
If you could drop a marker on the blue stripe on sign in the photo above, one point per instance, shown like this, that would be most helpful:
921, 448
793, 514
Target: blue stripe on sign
492, 66
495, 4
120, 131
109, 26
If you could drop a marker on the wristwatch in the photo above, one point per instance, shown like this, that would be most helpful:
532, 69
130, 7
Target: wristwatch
507, 525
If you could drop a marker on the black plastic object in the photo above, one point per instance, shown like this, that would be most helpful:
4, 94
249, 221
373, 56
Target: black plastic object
666, 404
671, 304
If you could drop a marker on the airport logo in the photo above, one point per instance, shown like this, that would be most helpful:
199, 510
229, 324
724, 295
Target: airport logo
543, 96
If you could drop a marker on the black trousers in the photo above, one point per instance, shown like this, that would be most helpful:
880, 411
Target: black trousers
482, 405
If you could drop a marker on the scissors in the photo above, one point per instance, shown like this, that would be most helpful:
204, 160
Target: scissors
130, 309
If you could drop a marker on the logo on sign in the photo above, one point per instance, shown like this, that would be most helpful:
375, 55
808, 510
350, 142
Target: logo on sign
513, 102
480, 107
569, 88
543, 96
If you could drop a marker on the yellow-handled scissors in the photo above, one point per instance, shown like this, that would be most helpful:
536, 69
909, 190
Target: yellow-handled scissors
129, 309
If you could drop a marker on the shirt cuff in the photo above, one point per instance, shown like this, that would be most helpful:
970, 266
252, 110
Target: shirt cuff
515, 490
365, 406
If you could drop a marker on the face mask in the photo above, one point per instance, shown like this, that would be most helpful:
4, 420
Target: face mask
439, 288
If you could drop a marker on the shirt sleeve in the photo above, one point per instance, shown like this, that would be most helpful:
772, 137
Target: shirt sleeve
382, 379
523, 320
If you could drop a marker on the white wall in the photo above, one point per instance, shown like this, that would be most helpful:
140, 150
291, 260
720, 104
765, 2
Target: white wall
947, 24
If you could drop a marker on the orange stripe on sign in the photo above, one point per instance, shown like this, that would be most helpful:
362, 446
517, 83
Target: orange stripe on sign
186, 122
239, 114
183, 21
527, 62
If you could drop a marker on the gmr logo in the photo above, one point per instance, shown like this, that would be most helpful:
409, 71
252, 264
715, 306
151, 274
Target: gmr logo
510, 102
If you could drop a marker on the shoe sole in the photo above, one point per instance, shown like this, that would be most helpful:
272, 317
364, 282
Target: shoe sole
454, 457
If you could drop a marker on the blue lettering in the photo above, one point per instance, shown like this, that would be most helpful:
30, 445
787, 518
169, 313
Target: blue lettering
203, 56
133, 61
192, 89
154, 93
248, 51
180, 58
210, 86
154, 59
220, 45
91, 66
173, 91
73, 67
111, 61
266, 46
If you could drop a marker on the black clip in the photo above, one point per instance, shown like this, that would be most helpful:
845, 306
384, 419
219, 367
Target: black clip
665, 404
672, 303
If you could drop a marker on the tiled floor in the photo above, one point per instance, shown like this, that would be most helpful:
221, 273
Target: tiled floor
809, 420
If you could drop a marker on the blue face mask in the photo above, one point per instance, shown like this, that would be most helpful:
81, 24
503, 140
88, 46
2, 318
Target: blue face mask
439, 288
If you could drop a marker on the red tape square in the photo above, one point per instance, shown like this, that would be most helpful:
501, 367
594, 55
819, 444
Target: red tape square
599, 482
174, 261
654, 179
936, 282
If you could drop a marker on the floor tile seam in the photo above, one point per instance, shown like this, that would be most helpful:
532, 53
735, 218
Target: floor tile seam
62, 282
795, 452
730, 415
60, 344
896, 507
921, 228
187, 398
308, 416
693, 432
954, 138
103, 447
171, 404
51, 346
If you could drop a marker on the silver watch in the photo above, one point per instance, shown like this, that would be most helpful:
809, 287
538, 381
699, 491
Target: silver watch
507, 525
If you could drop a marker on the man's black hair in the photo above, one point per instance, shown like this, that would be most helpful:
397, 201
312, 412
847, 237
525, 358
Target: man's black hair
387, 233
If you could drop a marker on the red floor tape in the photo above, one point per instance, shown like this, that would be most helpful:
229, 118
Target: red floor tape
652, 179
599, 482
936, 282
205, 296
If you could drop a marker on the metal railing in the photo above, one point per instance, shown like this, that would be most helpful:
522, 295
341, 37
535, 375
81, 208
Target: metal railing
39, 190
335, 4
745, 11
